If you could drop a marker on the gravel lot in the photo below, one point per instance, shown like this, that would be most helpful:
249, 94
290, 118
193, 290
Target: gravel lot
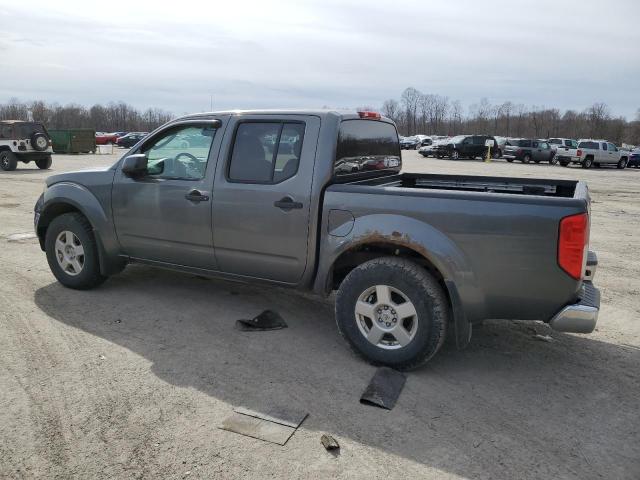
132, 379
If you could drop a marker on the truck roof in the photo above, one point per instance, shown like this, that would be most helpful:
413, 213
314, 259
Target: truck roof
344, 114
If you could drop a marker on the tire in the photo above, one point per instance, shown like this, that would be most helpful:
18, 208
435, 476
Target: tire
622, 163
455, 155
553, 160
510, 160
39, 142
424, 332
496, 154
526, 158
44, 163
88, 275
588, 162
8, 161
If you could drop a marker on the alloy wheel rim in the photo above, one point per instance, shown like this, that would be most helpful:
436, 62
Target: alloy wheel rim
69, 253
386, 317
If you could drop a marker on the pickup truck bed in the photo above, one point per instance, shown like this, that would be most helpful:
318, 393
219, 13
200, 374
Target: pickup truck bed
494, 238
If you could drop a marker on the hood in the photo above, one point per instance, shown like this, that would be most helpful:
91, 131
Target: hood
95, 176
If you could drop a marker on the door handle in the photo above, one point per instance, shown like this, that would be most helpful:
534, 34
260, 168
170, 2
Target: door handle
287, 203
196, 196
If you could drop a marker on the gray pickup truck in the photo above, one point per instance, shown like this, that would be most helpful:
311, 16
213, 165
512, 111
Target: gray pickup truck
316, 200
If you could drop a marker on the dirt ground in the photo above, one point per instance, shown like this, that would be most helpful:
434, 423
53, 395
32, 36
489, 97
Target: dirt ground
132, 379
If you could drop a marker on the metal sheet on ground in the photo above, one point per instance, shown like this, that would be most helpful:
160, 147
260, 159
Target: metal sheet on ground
291, 417
258, 428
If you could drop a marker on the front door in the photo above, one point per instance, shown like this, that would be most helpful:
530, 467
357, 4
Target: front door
165, 215
262, 197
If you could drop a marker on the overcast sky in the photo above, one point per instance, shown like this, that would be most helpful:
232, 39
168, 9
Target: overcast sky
338, 53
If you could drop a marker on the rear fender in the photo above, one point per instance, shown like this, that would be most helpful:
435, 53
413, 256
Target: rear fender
462, 286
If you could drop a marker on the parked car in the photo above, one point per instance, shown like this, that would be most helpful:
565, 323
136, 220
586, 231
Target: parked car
411, 256
130, 139
424, 140
565, 150
464, 146
600, 152
634, 159
106, 138
409, 143
527, 150
24, 142
430, 150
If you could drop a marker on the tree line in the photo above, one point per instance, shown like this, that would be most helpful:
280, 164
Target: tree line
114, 117
432, 114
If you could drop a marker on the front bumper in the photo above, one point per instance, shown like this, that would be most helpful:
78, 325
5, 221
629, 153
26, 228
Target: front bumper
581, 317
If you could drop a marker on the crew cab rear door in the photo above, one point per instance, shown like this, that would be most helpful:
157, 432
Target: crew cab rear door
262, 196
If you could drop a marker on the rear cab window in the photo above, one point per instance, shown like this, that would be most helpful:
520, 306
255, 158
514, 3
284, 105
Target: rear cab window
589, 145
366, 148
265, 151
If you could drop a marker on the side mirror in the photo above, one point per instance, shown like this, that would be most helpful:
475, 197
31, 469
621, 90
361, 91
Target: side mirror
135, 165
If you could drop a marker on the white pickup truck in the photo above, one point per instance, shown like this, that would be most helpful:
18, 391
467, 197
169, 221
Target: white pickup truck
600, 152
565, 151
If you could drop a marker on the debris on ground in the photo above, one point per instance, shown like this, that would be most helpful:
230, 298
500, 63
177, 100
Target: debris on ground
384, 388
267, 320
329, 443
542, 338
275, 425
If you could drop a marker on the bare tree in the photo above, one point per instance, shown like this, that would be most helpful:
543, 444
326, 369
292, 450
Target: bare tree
410, 98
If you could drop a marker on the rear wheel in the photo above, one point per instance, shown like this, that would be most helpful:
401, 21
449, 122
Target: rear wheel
588, 162
496, 154
455, 155
392, 312
526, 158
44, 163
72, 252
553, 160
8, 161
622, 163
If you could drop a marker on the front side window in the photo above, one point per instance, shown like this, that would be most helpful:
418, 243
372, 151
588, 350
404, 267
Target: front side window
612, 147
181, 152
266, 152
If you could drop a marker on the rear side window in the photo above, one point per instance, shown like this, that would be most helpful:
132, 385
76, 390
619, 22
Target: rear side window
366, 146
604, 146
266, 152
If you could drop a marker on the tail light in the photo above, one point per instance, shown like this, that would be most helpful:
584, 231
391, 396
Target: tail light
579, 153
370, 115
573, 241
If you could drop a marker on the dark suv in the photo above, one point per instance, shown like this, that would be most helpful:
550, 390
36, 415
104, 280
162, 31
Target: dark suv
464, 146
527, 149
25, 142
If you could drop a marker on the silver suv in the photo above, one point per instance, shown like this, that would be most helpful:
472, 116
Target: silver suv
25, 142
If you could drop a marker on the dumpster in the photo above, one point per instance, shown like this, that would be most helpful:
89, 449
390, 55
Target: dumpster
73, 140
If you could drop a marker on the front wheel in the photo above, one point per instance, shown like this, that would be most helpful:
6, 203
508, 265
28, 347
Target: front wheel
622, 163
8, 161
72, 252
44, 163
526, 158
392, 312
509, 160
455, 155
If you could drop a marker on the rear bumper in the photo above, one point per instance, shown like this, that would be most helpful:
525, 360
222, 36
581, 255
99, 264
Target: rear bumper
580, 317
